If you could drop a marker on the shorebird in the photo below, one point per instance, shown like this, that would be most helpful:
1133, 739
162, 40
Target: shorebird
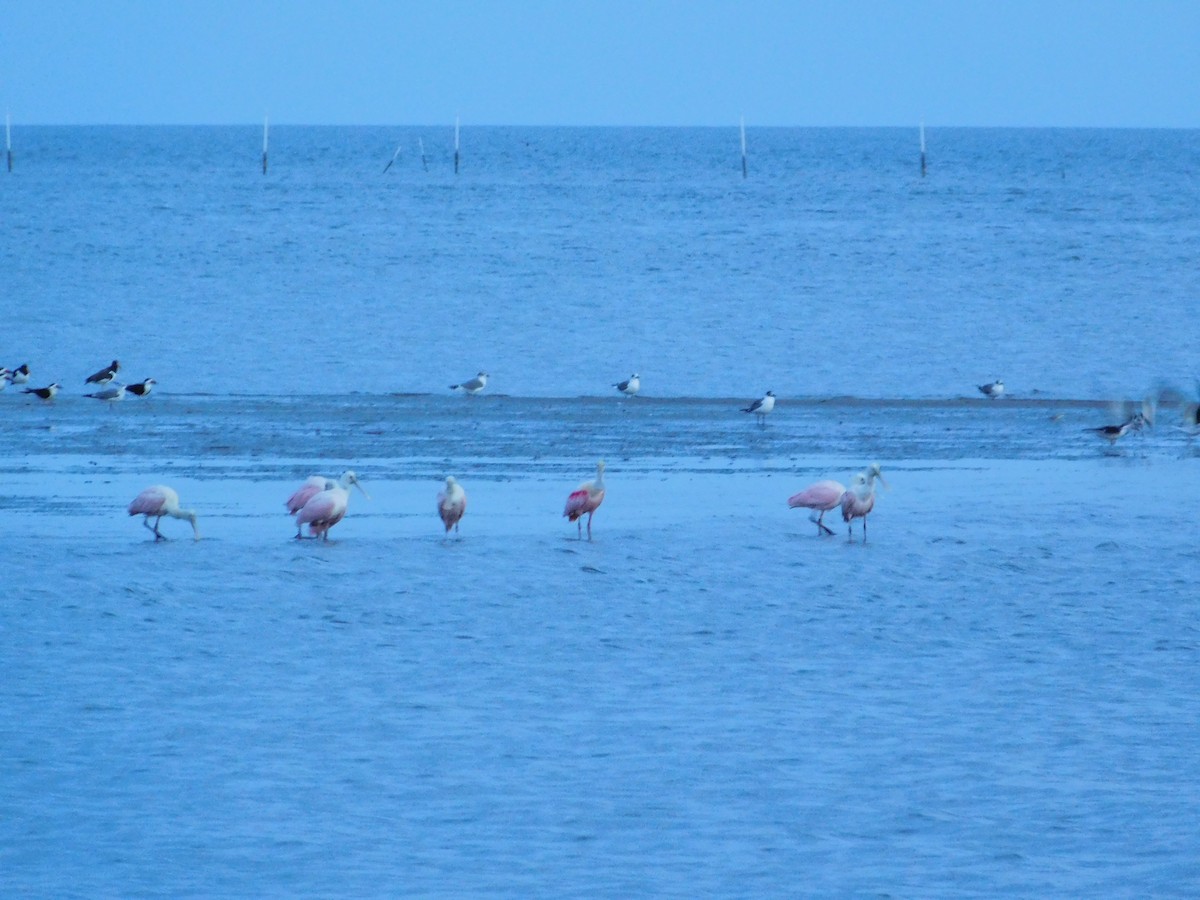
105, 375
630, 386
859, 499
45, 393
474, 386
993, 390
109, 395
1113, 433
20, 375
451, 504
159, 501
141, 389
586, 499
316, 484
823, 496
5, 377
762, 407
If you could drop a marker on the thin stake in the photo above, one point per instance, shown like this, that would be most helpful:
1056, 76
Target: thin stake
393, 159
266, 132
8, 137
456, 145
922, 148
745, 173
424, 164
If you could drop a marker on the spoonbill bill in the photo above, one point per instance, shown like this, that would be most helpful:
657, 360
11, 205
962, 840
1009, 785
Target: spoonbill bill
159, 501
823, 496
859, 499
586, 499
451, 504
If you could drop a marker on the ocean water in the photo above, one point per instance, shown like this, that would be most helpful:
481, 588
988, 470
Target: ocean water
992, 695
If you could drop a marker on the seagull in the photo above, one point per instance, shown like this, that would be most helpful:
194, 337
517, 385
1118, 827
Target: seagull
19, 375
474, 386
105, 375
110, 395
142, 389
45, 393
630, 386
760, 408
993, 390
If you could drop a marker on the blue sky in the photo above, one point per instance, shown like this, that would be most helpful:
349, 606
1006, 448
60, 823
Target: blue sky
603, 62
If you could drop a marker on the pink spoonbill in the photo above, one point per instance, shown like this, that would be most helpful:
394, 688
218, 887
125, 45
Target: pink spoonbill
159, 501
586, 499
318, 484
823, 496
451, 504
859, 499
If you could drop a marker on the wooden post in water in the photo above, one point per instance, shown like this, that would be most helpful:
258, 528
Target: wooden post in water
8, 137
421, 145
456, 145
266, 134
745, 173
393, 159
922, 148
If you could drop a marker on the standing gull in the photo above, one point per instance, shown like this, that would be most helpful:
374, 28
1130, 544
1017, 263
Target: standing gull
761, 408
993, 390
159, 501
109, 394
859, 499
823, 496
474, 386
105, 375
586, 499
451, 504
630, 386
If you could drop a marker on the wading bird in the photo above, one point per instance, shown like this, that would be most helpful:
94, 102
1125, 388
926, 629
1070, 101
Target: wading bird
451, 504
105, 375
762, 407
630, 386
586, 499
474, 386
159, 501
859, 499
993, 390
823, 496
316, 484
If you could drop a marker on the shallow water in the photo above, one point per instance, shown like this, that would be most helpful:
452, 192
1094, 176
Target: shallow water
993, 695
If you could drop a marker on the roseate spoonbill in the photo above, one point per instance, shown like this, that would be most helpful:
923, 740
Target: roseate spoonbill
105, 375
586, 499
859, 499
314, 485
141, 389
761, 408
109, 395
44, 393
630, 386
451, 503
824, 496
324, 510
994, 390
474, 386
159, 501
20, 375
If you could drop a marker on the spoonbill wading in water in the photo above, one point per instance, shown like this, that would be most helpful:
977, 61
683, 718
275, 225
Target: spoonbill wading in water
823, 496
586, 499
451, 504
859, 499
159, 501
317, 485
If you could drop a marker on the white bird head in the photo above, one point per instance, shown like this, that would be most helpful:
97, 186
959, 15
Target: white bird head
349, 478
874, 471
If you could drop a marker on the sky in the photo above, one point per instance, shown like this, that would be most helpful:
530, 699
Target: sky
1068, 63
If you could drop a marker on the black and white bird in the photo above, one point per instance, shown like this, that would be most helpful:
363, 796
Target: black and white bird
20, 375
762, 407
45, 393
141, 389
105, 375
994, 390
109, 394
630, 386
474, 386
1113, 433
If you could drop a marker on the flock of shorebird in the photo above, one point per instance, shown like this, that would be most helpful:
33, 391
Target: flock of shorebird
321, 502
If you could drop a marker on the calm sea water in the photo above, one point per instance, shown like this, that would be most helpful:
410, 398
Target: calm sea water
993, 696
